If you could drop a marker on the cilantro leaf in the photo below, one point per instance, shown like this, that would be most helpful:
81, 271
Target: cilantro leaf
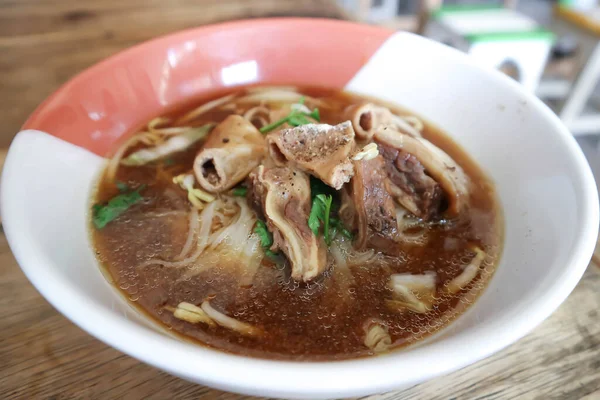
319, 216
271, 253
102, 214
315, 216
326, 200
266, 238
294, 118
274, 125
122, 186
240, 191
339, 227
297, 119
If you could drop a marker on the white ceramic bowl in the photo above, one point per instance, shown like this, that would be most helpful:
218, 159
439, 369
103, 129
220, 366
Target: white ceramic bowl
544, 182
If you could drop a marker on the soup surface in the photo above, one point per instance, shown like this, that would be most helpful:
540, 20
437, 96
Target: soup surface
296, 223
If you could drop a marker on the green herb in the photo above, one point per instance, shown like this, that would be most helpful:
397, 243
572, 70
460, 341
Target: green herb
274, 125
122, 186
266, 238
314, 220
271, 253
294, 118
319, 216
314, 114
103, 214
325, 201
171, 146
169, 161
338, 226
240, 191
297, 118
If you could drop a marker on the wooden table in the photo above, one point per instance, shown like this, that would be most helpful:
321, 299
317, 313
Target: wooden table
44, 356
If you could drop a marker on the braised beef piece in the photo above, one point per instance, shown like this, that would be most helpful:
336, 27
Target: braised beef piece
418, 192
420, 171
319, 149
282, 197
375, 211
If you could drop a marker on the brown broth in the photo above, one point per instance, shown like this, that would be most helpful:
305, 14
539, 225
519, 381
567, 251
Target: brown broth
320, 321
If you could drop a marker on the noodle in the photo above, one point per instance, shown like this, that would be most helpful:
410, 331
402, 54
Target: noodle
195, 113
418, 238
206, 217
228, 322
113, 164
172, 130
278, 96
174, 264
193, 227
157, 122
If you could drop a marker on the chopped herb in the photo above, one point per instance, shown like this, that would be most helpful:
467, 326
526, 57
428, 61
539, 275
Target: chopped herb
319, 215
274, 125
103, 214
294, 118
240, 191
122, 186
266, 238
338, 226
315, 115
169, 161
325, 201
316, 211
271, 253
297, 119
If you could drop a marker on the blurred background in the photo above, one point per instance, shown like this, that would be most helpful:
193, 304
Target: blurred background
548, 46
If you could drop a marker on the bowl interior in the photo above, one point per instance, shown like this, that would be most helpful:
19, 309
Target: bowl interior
545, 186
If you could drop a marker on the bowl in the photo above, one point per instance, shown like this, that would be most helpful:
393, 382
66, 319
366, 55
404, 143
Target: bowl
544, 183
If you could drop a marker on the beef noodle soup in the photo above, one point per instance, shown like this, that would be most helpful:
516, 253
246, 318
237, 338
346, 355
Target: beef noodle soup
296, 223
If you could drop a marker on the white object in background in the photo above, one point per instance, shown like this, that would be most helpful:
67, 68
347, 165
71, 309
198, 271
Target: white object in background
579, 5
585, 26
372, 10
495, 37
581, 91
591, 148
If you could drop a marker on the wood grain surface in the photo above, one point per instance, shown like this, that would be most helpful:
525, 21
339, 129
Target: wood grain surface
44, 356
